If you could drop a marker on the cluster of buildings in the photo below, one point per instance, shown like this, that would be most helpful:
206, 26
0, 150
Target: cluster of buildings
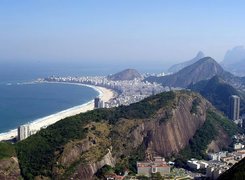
158, 165
218, 162
129, 91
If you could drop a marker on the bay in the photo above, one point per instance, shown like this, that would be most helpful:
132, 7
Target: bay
23, 103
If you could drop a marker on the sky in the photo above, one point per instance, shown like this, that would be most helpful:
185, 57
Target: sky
119, 31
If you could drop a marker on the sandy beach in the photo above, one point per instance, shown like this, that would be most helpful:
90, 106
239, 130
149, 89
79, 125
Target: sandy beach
104, 93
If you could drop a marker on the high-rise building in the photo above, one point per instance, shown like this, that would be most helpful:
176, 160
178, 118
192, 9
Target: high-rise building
234, 107
23, 132
96, 102
101, 104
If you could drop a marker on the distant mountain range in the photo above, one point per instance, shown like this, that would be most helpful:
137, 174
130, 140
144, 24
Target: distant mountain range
175, 68
127, 74
234, 61
203, 69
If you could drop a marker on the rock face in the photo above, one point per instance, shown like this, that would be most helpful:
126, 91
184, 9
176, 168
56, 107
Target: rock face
87, 171
9, 169
177, 67
170, 137
127, 74
204, 69
165, 134
171, 129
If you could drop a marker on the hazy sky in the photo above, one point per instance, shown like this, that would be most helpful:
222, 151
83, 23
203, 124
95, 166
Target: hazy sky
123, 30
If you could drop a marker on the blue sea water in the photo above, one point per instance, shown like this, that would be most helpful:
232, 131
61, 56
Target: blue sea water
21, 103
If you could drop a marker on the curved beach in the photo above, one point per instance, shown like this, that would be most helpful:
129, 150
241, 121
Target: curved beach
104, 93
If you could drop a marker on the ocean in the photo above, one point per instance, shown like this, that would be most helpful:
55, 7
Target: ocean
22, 102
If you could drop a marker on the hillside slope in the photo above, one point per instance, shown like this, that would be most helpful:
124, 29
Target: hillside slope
217, 91
77, 147
127, 74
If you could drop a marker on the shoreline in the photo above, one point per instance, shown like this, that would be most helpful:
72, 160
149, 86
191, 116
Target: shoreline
35, 125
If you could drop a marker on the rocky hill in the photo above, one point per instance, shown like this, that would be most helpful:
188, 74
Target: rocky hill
204, 69
175, 68
127, 74
165, 124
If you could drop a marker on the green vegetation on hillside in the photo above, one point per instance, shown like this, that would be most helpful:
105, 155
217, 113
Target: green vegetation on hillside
198, 144
129, 162
6, 150
143, 109
38, 153
195, 105
217, 92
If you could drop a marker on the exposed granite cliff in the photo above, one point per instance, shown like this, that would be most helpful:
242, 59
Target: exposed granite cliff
9, 169
168, 131
165, 133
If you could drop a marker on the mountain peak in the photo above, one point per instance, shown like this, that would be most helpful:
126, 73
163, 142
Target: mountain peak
203, 69
127, 74
207, 59
200, 54
178, 67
